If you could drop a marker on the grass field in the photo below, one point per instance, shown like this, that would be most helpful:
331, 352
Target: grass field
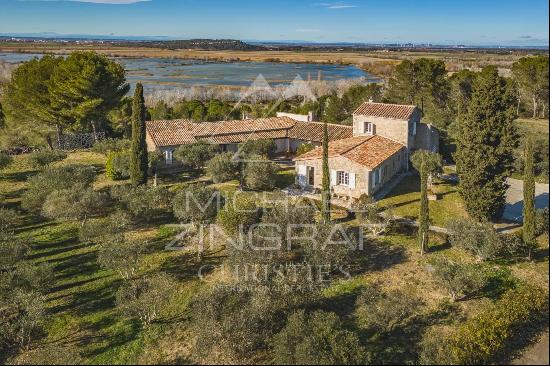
81, 303
404, 201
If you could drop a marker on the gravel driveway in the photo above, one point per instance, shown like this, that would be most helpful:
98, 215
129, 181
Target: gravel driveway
514, 199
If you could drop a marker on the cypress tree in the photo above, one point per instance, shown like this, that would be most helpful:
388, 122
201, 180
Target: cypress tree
325, 191
139, 159
485, 146
529, 225
424, 217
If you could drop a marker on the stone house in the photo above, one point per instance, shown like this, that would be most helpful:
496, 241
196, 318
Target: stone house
288, 134
384, 135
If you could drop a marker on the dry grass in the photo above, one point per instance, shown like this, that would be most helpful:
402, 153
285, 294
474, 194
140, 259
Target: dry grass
378, 62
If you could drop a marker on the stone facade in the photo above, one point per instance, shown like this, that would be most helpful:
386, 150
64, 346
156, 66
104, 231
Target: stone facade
362, 180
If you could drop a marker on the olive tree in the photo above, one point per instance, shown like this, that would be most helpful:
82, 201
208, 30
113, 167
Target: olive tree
5, 160
44, 158
260, 174
54, 179
481, 239
222, 168
459, 280
144, 298
385, 310
318, 338
197, 204
75, 203
120, 255
196, 154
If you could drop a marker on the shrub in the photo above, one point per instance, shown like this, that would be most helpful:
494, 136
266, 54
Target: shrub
143, 202
52, 179
41, 159
75, 203
12, 251
542, 221
8, 219
304, 148
260, 174
384, 311
231, 326
367, 210
197, 204
5, 160
264, 148
101, 229
284, 214
195, 155
145, 298
239, 215
110, 145
488, 336
117, 166
221, 168
316, 339
120, 255
23, 318
481, 239
459, 280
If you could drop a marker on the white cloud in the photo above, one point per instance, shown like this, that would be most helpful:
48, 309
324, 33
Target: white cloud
336, 5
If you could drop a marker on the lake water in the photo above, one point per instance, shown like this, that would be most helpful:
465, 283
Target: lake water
157, 73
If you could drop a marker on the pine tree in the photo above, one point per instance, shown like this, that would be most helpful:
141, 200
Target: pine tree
325, 192
529, 215
485, 146
139, 159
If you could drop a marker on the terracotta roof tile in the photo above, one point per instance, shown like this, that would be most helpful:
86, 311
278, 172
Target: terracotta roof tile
313, 131
243, 126
235, 138
179, 132
171, 133
369, 151
373, 152
384, 110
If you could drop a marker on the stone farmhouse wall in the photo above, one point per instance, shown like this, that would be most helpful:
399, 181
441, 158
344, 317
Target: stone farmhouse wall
361, 177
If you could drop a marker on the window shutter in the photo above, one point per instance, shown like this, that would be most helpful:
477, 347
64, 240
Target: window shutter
302, 173
352, 180
333, 177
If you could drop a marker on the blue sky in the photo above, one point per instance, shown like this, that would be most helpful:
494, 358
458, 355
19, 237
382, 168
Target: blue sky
479, 22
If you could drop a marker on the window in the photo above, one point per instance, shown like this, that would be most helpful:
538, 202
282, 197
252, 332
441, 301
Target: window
168, 156
311, 175
368, 128
413, 129
376, 177
342, 178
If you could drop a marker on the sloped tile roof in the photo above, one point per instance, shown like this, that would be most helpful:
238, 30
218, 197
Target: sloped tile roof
180, 132
236, 138
384, 110
313, 131
369, 151
243, 126
171, 133
373, 152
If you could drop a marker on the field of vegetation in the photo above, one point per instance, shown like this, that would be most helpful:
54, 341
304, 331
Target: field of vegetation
86, 321
379, 63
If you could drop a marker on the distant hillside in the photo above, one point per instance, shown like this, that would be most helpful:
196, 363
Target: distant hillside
196, 44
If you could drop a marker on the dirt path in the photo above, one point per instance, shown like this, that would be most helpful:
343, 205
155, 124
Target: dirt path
536, 354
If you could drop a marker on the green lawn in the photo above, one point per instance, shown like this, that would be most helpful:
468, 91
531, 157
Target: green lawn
404, 201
